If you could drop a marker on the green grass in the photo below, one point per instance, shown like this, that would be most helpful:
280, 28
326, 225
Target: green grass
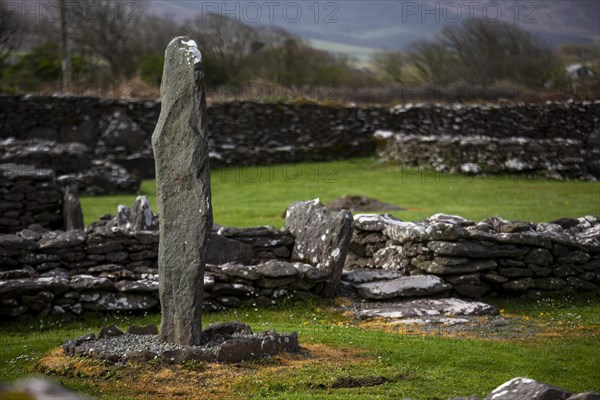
420, 367
253, 196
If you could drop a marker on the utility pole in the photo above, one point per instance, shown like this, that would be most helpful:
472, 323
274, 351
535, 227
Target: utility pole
66, 49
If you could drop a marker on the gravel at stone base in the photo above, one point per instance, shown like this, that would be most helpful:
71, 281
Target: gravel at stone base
128, 343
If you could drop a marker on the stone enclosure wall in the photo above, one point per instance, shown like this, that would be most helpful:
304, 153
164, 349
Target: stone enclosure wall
500, 138
110, 267
29, 195
469, 259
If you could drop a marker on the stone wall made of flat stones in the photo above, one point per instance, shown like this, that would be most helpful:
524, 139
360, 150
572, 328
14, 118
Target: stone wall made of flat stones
54, 272
248, 133
29, 196
555, 158
113, 269
488, 258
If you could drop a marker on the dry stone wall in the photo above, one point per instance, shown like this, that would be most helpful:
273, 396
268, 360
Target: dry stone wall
109, 268
247, 133
470, 259
114, 269
29, 195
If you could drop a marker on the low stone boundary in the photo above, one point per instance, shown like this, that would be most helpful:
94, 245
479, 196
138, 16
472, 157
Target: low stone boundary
452, 255
250, 133
73, 163
29, 195
44, 272
556, 158
112, 269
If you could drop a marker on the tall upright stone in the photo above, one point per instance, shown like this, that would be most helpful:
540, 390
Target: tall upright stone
183, 192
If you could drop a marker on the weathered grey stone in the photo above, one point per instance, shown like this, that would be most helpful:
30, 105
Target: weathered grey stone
392, 258
140, 356
72, 214
38, 301
562, 271
473, 291
450, 219
515, 272
149, 329
373, 222
369, 275
523, 388
271, 283
234, 289
453, 266
109, 331
143, 285
88, 282
429, 307
467, 279
236, 350
577, 283
258, 237
14, 242
550, 283
17, 287
109, 301
519, 285
219, 330
180, 144
322, 238
221, 250
276, 269
63, 240
142, 218
411, 286
235, 270
574, 257
541, 257
476, 250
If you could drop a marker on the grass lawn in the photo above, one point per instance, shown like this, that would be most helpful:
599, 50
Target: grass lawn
558, 339
253, 196
562, 348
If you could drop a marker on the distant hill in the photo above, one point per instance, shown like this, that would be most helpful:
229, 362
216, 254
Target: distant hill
360, 27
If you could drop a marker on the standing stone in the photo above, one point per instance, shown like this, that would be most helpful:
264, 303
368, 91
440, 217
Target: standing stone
72, 214
322, 238
183, 192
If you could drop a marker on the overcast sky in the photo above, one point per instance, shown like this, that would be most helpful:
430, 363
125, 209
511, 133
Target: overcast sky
358, 27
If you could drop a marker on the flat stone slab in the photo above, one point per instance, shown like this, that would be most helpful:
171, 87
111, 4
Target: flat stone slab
414, 310
369, 275
409, 286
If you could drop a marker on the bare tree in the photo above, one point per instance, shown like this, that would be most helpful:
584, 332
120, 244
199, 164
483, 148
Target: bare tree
432, 61
490, 52
9, 32
108, 29
390, 64
225, 42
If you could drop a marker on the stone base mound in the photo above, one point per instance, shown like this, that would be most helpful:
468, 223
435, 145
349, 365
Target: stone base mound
223, 342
